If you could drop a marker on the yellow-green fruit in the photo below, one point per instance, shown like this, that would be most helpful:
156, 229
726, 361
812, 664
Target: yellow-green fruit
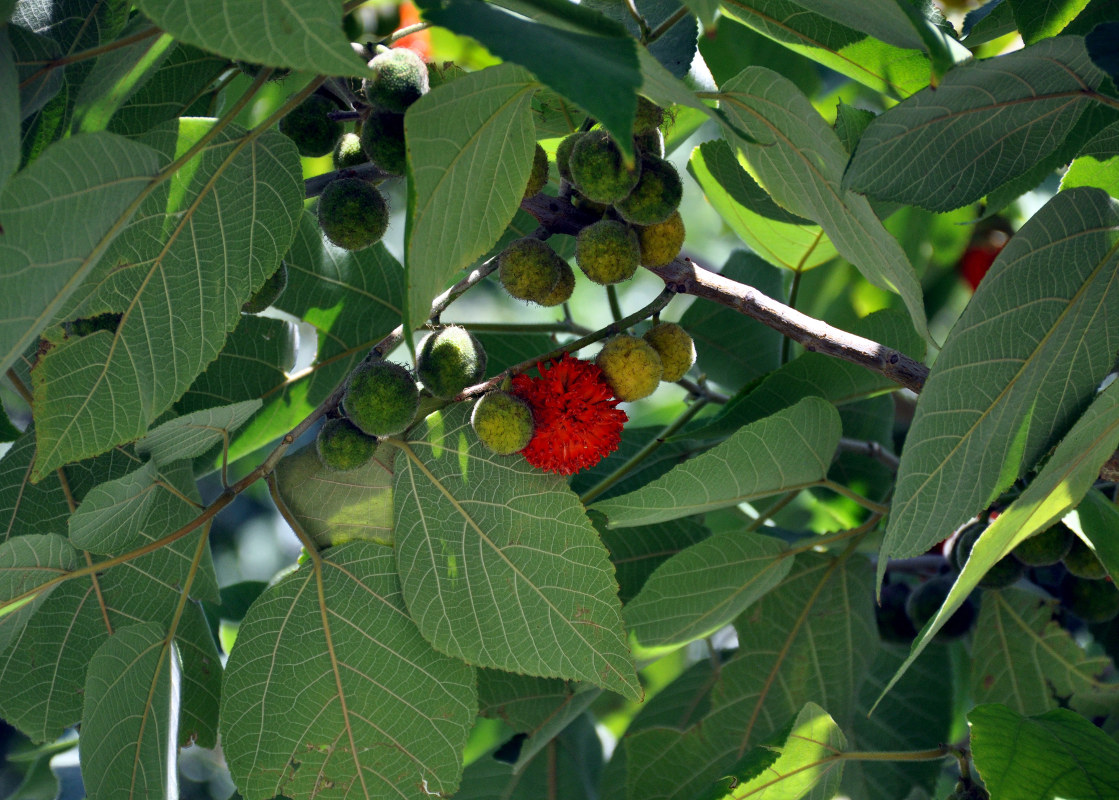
539, 175
529, 269
342, 446
308, 125
599, 171
1081, 561
563, 154
502, 422
674, 346
649, 116
348, 152
382, 140
381, 398
661, 242
656, 195
399, 79
564, 288
267, 294
449, 360
352, 213
607, 252
631, 366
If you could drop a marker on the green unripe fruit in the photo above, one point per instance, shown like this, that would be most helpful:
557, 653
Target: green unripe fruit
599, 171
650, 144
381, 398
502, 422
352, 213
1091, 600
607, 252
539, 175
1081, 561
1045, 548
674, 346
399, 79
656, 195
1004, 572
308, 125
927, 599
267, 294
563, 154
529, 269
449, 360
348, 152
589, 206
382, 140
894, 624
662, 241
631, 367
564, 288
342, 446
648, 118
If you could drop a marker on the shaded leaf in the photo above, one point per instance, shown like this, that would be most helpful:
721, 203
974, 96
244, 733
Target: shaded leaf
499, 564
27, 562
9, 98
1099, 520
193, 434
331, 681
637, 552
789, 450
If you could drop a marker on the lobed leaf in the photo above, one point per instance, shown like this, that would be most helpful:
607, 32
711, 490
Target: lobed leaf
499, 564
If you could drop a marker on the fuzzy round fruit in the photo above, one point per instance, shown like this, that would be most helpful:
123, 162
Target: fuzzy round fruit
1004, 572
563, 154
564, 287
529, 269
399, 79
539, 175
348, 152
267, 294
656, 195
674, 346
342, 446
648, 118
1092, 601
308, 125
352, 213
650, 144
631, 366
382, 140
599, 171
607, 252
381, 398
1046, 548
1081, 561
894, 624
502, 422
662, 241
927, 599
449, 360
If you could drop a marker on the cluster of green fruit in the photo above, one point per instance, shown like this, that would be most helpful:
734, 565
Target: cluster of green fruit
1056, 559
353, 213
635, 366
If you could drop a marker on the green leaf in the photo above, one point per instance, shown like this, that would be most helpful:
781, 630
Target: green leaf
800, 161
811, 639
1097, 163
329, 678
731, 348
598, 71
704, 587
735, 47
996, 398
1056, 754
1025, 660
1040, 19
894, 71
37, 86
499, 564
193, 434
336, 507
178, 275
300, 34
886, 21
472, 138
1066, 478
58, 216
997, 118
130, 717
806, 761
789, 450
988, 22
675, 47
1099, 519
637, 552
27, 562
9, 98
